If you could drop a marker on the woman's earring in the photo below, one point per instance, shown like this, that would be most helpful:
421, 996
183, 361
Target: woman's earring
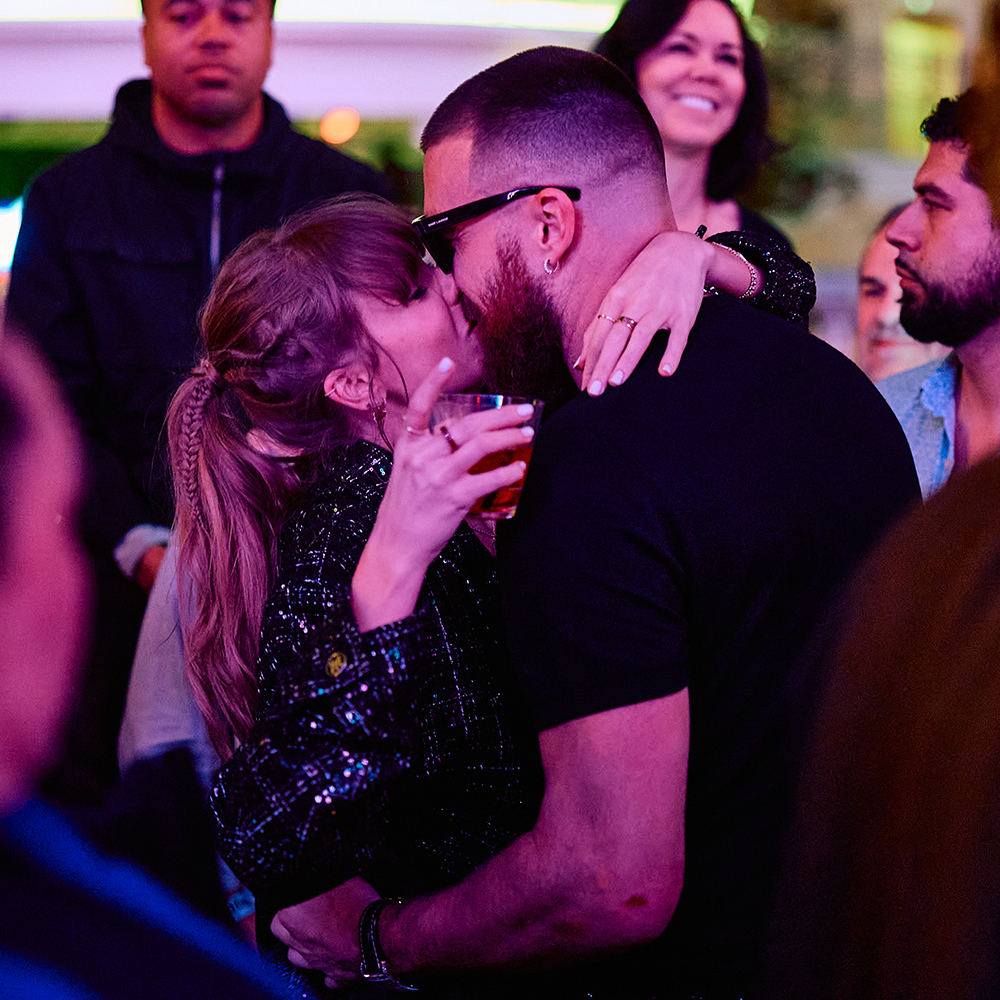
378, 415
550, 268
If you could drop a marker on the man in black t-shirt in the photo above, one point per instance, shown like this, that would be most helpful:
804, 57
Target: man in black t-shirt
678, 543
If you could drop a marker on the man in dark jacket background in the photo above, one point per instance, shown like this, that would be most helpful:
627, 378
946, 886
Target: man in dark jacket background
118, 246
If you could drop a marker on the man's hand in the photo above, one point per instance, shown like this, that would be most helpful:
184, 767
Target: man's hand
322, 932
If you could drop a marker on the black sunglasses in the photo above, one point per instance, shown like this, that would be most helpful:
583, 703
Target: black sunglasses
432, 228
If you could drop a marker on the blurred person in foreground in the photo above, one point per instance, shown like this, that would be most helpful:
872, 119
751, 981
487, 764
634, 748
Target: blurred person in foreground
881, 346
677, 543
117, 249
73, 922
892, 886
948, 261
703, 79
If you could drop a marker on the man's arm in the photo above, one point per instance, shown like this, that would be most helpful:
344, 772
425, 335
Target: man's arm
602, 868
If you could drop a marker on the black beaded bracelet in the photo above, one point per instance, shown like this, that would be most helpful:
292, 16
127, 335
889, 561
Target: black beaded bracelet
374, 967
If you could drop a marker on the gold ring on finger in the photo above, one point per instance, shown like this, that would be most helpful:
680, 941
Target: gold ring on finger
630, 323
447, 436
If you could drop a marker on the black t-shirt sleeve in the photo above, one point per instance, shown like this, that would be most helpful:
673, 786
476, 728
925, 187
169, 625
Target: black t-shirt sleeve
591, 589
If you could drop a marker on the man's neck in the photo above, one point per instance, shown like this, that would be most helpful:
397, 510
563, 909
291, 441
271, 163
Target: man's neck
193, 139
596, 270
977, 398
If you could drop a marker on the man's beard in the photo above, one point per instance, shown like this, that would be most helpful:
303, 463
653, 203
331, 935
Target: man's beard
952, 315
521, 334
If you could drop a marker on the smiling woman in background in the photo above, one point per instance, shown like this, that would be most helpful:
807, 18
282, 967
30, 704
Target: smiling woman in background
702, 77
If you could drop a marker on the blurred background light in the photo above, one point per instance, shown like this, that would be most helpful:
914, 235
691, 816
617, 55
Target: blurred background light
339, 125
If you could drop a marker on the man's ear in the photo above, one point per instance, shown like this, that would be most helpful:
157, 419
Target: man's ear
555, 225
350, 386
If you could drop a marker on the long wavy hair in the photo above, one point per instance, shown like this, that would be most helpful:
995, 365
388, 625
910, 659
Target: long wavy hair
741, 152
251, 429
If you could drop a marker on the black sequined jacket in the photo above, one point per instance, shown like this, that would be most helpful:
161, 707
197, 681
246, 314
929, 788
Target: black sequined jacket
789, 283
399, 754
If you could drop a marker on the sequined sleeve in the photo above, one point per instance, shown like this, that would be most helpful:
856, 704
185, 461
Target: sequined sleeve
789, 283
301, 805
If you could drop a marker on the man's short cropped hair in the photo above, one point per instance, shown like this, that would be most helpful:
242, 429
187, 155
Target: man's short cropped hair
550, 106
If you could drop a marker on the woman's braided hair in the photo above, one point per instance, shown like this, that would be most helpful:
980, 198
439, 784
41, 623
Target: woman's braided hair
251, 428
189, 445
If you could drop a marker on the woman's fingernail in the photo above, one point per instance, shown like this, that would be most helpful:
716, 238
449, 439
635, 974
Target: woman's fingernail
666, 370
617, 378
578, 364
525, 410
528, 432
596, 387
445, 364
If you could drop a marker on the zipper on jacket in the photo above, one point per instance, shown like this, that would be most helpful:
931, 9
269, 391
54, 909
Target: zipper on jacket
215, 239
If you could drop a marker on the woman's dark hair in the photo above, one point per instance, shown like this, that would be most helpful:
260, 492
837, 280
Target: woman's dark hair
740, 153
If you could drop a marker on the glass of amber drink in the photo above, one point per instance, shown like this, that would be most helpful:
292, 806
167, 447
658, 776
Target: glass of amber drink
502, 503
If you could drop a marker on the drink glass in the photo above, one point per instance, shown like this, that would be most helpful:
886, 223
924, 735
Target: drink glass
501, 503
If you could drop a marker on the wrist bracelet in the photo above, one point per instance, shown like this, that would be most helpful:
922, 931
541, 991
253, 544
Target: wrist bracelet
374, 967
789, 285
752, 287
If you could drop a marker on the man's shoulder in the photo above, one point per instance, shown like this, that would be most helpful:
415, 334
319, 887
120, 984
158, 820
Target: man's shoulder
323, 156
328, 168
75, 172
746, 379
760, 354
902, 390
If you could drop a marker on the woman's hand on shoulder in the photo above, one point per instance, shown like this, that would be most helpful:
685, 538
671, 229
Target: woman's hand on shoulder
662, 289
430, 491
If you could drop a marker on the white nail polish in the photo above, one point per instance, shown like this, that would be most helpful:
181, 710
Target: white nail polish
525, 410
528, 432
617, 378
595, 387
445, 364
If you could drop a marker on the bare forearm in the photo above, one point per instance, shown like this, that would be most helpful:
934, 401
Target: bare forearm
386, 584
602, 868
516, 911
730, 272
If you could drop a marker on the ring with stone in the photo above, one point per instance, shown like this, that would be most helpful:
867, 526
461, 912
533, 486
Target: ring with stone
447, 436
630, 323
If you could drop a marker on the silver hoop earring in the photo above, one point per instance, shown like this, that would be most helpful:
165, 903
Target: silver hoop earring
550, 268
